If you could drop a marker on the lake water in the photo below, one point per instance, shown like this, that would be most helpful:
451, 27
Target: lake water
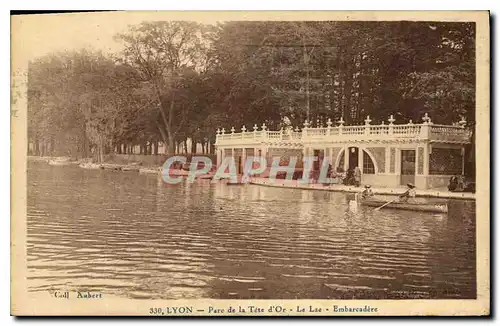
132, 236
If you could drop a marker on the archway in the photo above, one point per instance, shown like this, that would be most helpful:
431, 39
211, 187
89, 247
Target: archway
368, 162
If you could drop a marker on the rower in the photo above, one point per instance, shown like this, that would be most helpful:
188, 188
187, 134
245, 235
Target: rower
409, 193
367, 192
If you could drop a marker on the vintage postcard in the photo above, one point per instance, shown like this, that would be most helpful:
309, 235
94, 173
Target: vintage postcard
250, 163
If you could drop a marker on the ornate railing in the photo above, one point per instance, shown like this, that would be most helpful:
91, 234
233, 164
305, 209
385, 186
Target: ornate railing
426, 130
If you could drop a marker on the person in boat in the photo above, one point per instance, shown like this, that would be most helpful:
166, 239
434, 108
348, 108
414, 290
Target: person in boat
460, 183
452, 185
409, 194
367, 192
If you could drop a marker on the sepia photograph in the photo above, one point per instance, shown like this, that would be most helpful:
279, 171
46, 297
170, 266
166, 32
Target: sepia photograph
234, 163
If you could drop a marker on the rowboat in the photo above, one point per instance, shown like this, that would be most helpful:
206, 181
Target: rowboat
178, 172
133, 168
419, 207
60, 161
205, 176
90, 166
235, 183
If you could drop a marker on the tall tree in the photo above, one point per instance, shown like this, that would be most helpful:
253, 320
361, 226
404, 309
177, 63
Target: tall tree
162, 52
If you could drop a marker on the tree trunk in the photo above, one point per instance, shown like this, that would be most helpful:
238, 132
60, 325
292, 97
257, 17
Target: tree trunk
168, 137
155, 147
101, 149
171, 146
193, 145
37, 147
185, 146
306, 63
52, 145
85, 149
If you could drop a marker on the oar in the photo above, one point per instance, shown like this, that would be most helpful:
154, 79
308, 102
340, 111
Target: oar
378, 208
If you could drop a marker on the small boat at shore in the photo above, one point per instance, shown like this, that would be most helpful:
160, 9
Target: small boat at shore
178, 172
90, 166
150, 170
60, 161
111, 166
133, 168
205, 176
419, 207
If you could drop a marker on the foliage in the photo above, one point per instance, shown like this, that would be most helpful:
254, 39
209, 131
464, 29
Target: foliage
180, 80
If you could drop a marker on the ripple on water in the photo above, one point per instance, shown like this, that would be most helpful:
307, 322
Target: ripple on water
137, 237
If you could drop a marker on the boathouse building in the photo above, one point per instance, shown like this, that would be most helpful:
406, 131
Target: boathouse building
389, 155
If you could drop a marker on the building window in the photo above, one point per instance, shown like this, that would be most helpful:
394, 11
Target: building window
368, 166
445, 161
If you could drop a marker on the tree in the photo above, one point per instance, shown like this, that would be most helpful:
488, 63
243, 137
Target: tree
176, 81
162, 52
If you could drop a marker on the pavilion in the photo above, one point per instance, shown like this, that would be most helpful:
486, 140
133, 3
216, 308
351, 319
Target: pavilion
389, 155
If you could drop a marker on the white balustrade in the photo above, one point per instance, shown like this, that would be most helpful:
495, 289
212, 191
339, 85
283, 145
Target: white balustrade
353, 130
409, 130
379, 130
248, 135
315, 132
449, 133
425, 131
273, 134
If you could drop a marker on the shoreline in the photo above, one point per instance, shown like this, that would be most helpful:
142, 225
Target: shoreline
266, 182
429, 193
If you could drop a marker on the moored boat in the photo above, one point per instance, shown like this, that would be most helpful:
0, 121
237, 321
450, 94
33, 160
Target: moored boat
150, 170
178, 172
205, 176
419, 207
59, 162
133, 168
90, 165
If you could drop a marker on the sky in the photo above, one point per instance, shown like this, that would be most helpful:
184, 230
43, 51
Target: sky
37, 35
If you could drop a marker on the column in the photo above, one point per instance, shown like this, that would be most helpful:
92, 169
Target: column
360, 158
243, 158
462, 151
346, 158
219, 156
387, 159
264, 154
426, 160
397, 162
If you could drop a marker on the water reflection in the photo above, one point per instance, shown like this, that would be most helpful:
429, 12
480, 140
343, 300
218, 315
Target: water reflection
132, 235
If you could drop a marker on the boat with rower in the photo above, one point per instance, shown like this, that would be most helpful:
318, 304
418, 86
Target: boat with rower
411, 206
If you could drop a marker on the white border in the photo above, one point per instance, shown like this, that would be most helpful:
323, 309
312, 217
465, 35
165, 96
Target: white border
199, 5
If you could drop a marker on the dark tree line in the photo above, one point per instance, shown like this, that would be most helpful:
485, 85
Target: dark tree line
180, 80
